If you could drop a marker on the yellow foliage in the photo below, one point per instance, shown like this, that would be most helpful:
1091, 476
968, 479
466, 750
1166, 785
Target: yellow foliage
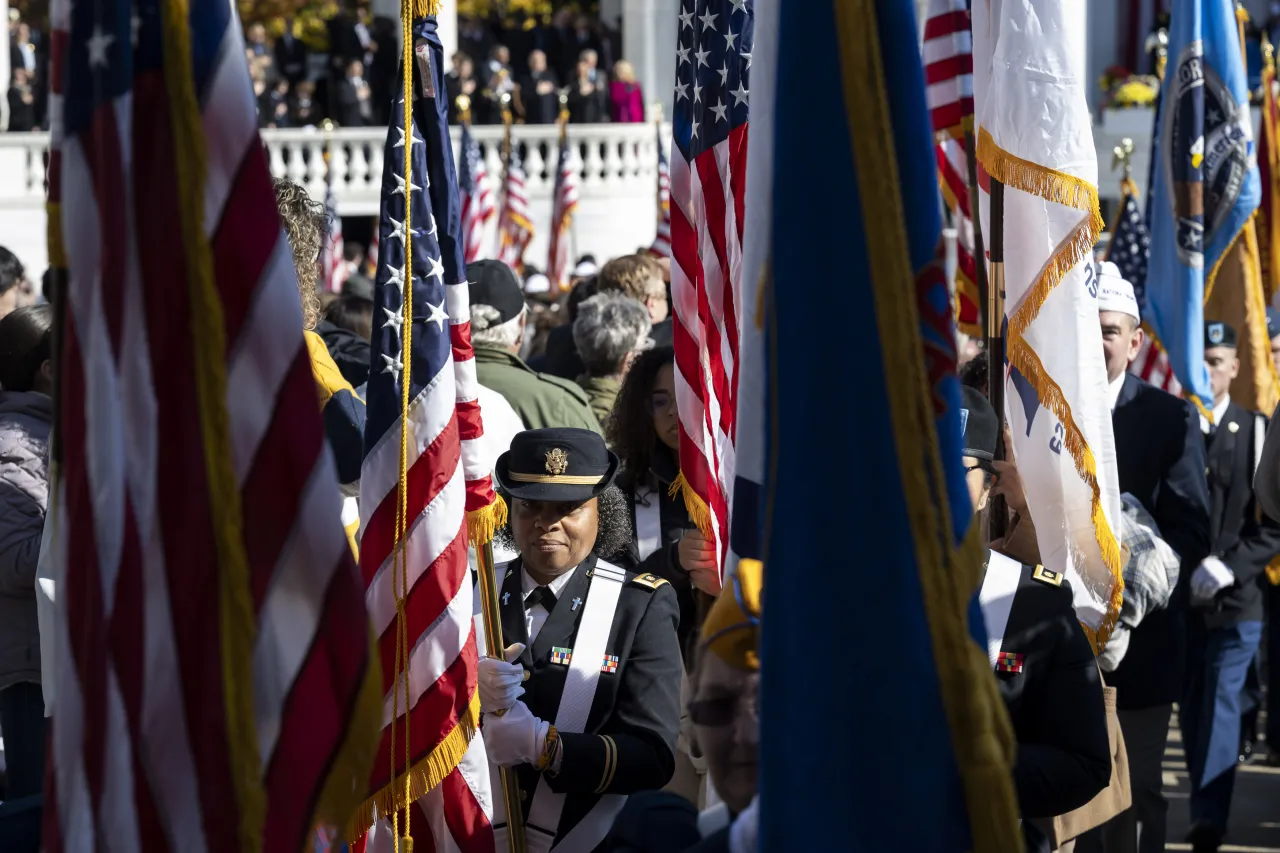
310, 18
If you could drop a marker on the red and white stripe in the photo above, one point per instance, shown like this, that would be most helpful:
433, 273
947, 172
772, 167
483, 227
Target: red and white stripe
447, 477
1152, 365
333, 263
563, 206
948, 65
515, 228
952, 168
706, 270
477, 209
661, 247
140, 757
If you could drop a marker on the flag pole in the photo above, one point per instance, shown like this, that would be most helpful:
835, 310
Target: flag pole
975, 217
494, 648
997, 517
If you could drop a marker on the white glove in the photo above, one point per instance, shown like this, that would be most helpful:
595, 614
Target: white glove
1209, 578
516, 737
501, 682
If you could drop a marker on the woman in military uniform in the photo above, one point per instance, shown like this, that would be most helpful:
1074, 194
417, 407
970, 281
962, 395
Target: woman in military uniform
1043, 662
586, 706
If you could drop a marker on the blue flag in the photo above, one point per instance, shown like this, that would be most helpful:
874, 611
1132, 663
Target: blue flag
870, 681
1206, 183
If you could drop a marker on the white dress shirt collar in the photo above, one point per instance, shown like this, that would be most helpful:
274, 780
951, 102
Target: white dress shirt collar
535, 617
1219, 412
1113, 389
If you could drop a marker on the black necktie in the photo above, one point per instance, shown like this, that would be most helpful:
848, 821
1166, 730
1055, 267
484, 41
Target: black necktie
541, 595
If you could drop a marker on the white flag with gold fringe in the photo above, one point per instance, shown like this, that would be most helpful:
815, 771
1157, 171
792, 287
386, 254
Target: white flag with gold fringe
1034, 136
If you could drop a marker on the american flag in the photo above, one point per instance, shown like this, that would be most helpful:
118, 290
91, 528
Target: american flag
477, 199
708, 177
661, 247
948, 66
1129, 249
564, 203
333, 264
214, 682
953, 168
515, 229
426, 345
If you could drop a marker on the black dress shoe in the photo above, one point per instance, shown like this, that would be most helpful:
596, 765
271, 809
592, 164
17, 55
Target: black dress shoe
1205, 838
1246, 750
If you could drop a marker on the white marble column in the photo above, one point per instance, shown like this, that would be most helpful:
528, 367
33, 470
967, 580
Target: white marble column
649, 43
4, 67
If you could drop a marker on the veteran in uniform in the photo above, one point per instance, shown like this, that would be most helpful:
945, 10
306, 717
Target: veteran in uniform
1043, 662
1224, 625
586, 706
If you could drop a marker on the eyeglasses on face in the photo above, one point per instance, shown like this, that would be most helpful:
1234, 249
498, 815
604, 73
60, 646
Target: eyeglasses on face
660, 402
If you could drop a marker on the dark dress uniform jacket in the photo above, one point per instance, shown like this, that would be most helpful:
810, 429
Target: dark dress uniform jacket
1055, 703
673, 521
1243, 538
637, 707
1160, 454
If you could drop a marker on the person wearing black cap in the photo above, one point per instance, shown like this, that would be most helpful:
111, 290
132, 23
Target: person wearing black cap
497, 329
1224, 627
586, 705
1042, 660
1273, 334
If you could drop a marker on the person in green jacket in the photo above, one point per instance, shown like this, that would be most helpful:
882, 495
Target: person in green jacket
497, 330
609, 331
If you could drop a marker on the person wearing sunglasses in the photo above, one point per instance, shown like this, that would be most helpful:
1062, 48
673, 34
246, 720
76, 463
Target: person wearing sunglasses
1043, 662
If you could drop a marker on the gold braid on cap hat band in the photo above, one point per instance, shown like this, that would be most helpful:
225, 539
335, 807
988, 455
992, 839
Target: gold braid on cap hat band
561, 479
732, 626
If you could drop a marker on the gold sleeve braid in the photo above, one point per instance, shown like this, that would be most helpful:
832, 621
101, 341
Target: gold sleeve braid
610, 764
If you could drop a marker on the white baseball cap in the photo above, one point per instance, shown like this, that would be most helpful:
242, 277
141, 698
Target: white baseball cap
1114, 293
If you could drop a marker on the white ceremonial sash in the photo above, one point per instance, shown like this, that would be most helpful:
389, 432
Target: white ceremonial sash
648, 521
571, 716
999, 586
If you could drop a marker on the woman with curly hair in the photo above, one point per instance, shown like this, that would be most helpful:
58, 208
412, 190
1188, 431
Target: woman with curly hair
644, 431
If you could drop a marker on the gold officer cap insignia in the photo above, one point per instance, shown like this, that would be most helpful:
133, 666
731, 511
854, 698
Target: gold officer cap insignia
557, 461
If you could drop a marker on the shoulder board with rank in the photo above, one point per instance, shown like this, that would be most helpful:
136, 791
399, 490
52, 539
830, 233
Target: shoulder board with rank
1046, 576
650, 581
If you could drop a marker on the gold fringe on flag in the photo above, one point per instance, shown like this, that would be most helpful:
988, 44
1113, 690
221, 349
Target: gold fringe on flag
1069, 191
697, 508
237, 624
483, 523
980, 733
415, 783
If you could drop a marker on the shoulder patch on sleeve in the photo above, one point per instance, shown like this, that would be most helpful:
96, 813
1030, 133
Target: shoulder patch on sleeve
1047, 577
650, 581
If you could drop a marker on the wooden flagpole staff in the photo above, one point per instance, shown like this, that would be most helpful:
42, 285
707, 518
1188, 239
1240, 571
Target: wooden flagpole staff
997, 515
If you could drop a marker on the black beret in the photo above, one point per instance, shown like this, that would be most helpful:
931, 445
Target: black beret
978, 423
493, 283
1219, 334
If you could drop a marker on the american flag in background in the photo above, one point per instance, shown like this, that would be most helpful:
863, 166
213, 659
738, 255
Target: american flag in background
948, 65
333, 264
564, 203
515, 229
477, 199
1129, 249
953, 168
661, 247
214, 684
708, 177
427, 347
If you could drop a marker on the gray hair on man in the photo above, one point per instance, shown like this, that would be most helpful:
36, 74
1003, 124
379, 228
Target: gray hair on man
486, 330
608, 329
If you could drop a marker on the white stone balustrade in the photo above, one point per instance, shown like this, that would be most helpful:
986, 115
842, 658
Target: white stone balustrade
617, 163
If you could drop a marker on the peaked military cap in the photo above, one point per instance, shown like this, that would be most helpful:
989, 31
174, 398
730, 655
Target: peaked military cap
558, 464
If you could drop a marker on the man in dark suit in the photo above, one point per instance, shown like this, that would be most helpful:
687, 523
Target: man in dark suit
1160, 455
291, 55
1224, 626
586, 706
